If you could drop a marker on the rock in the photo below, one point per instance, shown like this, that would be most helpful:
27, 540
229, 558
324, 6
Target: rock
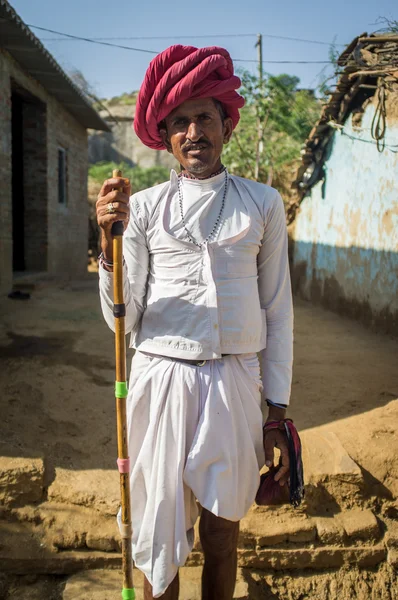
190, 583
341, 584
28, 513
360, 524
331, 476
267, 529
71, 527
26, 548
391, 536
241, 590
392, 558
304, 558
21, 480
94, 488
293, 530
330, 531
311, 558
102, 541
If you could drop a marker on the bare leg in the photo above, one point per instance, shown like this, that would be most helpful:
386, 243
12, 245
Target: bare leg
219, 539
170, 594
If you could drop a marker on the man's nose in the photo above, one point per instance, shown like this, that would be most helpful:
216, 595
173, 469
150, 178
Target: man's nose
194, 132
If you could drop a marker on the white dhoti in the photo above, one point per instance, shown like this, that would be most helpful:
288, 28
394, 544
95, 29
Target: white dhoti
193, 432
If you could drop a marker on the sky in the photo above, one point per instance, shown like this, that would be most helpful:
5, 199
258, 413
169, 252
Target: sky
112, 71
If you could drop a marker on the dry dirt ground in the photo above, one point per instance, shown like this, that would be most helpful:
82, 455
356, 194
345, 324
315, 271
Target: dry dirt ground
58, 450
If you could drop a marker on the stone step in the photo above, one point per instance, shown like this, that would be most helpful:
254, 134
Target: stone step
106, 585
22, 552
328, 557
333, 479
98, 489
277, 559
263, 527
380, 582
55, 530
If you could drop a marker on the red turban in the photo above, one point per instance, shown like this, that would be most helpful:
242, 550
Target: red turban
182, 73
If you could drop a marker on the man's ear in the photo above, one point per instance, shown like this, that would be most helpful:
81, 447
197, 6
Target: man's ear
228, 128
165, 139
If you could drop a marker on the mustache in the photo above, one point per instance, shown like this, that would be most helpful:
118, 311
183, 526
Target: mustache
194, 145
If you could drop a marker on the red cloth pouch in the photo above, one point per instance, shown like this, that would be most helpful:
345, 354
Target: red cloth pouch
270, 493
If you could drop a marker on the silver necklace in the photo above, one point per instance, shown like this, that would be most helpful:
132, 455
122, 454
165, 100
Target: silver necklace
218, 220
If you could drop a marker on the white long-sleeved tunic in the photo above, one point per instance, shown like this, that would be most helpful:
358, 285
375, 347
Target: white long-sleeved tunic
231, 296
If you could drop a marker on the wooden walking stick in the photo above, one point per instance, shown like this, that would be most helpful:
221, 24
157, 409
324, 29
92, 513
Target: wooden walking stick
123, 461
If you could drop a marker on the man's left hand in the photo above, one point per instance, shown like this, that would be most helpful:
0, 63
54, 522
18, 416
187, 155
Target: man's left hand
275, 438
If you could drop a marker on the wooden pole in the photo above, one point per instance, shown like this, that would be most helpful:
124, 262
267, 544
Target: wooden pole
259, 46
119, 311
260, 56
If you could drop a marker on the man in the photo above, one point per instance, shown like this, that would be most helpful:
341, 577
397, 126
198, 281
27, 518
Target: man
206, 285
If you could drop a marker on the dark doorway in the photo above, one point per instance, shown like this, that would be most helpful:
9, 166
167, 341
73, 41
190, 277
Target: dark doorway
18, 207
29, 181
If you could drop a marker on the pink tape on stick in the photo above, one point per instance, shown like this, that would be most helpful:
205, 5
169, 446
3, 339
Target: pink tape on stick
123, 465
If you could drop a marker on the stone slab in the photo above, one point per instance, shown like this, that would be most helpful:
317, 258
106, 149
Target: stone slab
392, 558
312, 558
304, 558
94, 488
267, 529
327, 465
360, 524
329, 531
21, 480
69, 527
391, 535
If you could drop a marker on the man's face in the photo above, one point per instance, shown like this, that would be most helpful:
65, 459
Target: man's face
195, 133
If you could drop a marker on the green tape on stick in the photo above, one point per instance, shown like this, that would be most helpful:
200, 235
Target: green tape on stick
121, 389
128, 594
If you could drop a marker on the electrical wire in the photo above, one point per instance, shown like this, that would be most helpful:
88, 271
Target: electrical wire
214, 35
96, 41
76, 37
286, 62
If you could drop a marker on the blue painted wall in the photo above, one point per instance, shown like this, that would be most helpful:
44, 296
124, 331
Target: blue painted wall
345, 235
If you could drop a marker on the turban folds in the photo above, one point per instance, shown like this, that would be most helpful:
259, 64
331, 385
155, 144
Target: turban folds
183, 73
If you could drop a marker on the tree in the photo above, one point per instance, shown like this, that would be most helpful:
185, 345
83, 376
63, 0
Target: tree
275, 122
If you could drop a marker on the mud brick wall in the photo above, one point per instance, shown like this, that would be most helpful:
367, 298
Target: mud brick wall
56, 235
344, 241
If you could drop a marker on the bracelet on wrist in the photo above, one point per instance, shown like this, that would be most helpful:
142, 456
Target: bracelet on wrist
276, 424
105, 261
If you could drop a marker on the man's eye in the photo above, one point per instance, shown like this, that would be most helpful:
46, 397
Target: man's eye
180, 122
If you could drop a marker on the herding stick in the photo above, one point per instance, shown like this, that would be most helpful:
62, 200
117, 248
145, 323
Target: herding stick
123, 461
